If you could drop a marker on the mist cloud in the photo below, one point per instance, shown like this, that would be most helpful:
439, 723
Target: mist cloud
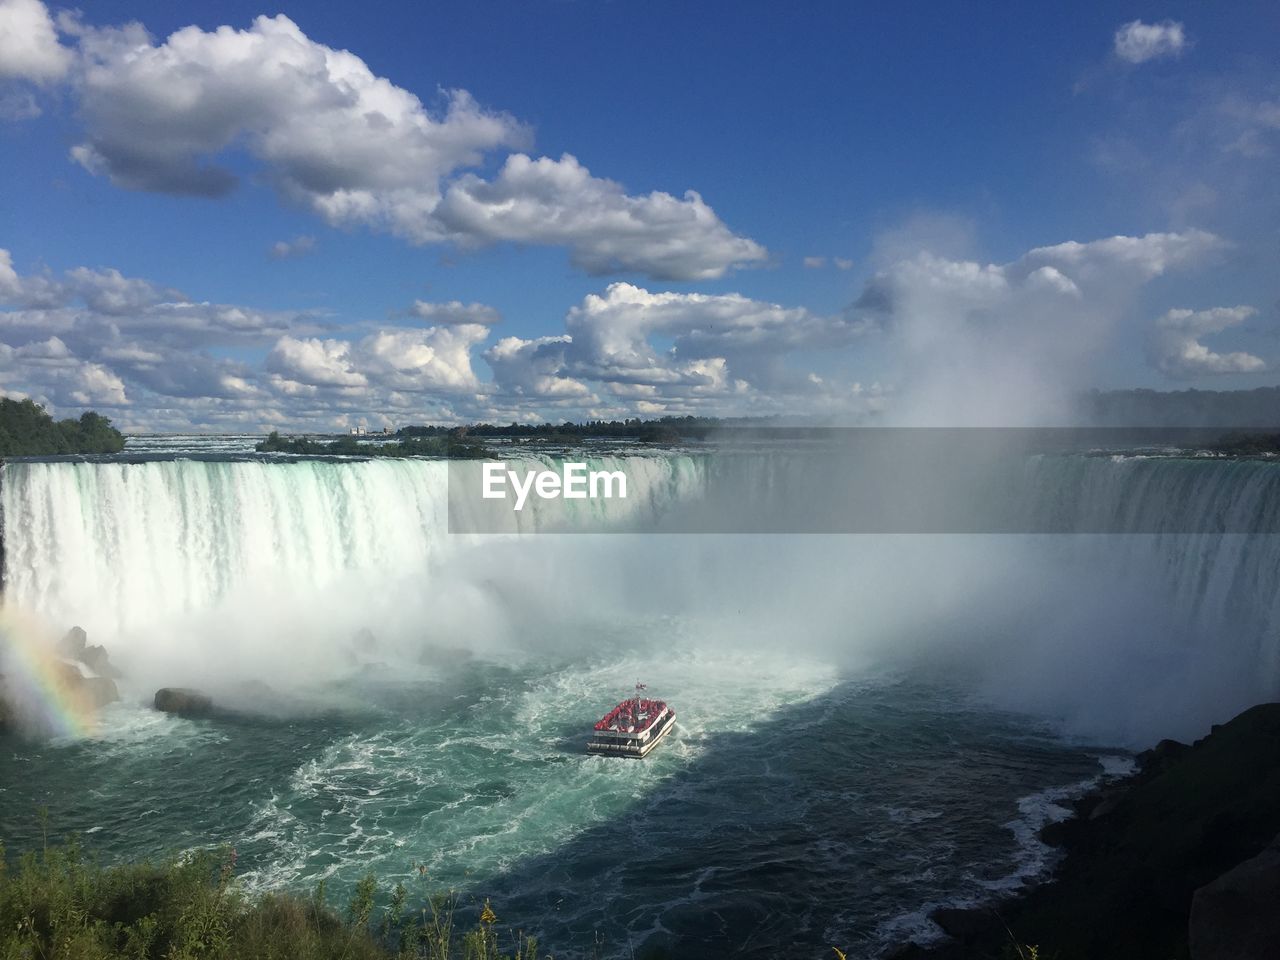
984, 344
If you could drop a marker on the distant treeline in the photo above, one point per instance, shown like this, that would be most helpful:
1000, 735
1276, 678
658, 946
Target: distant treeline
662, 430
1184, 408
1248, 445
435, 446
26, 430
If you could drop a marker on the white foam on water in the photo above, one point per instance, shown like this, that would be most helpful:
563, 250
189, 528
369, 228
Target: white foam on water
1033, 859
513, 781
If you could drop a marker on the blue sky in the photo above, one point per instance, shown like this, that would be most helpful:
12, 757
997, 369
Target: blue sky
906, 209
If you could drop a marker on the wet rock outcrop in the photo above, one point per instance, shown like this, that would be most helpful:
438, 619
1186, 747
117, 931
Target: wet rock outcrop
87, 671
183, 701
83, 674
1178, 860
1237, 916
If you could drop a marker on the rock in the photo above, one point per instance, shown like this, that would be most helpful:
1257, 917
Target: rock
73, 681
182, 701
1162, 864
100, 691
73, 643
1058, 833
961, 924
1106, 805
95, 658
97, 692
7, 720
1153, 762
75, 646
1236, 917
937, 951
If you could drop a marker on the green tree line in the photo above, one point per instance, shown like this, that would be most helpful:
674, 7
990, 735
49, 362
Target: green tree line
26, 430
432, 446
663, 429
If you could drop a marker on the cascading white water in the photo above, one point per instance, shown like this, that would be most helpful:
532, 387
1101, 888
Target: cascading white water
210, 573
123, 545
218, 564
1163, 515
130, 550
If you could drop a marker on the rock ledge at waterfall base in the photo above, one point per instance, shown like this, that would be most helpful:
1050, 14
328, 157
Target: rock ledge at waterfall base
81, 673
1179, 860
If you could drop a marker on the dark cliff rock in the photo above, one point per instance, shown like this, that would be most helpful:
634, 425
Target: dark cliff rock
183, 701
95, 692
75, 646
95, 658
1237, 916
87, 670
73, 643
1137, 852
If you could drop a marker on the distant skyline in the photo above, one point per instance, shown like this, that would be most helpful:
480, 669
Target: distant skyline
230, 217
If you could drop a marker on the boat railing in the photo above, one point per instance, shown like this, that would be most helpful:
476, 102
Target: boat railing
624, 716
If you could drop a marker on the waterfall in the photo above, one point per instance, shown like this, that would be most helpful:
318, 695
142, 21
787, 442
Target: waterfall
222, 564
123, 545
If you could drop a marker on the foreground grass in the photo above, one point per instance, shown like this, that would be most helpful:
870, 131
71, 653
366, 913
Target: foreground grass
61, 905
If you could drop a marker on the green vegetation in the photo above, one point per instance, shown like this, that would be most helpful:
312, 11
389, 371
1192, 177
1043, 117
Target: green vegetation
663, 430
457, 442
1143, 407
1248, 445
27, 431
60, 905
436, 446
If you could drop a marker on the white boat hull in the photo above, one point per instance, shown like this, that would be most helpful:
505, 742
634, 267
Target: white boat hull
631, 745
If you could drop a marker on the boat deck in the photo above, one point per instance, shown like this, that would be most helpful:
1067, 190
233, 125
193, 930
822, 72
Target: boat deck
632, 728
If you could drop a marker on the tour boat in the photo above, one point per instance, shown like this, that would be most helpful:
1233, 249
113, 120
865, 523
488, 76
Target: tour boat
633, 727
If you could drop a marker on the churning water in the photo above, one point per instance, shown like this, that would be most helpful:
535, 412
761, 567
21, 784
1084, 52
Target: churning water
868, 726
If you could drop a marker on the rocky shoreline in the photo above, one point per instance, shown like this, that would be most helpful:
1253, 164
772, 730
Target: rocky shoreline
1181, 859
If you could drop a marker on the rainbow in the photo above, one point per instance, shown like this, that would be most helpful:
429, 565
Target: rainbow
36, 681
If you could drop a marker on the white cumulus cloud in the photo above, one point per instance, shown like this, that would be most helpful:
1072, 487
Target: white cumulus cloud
299, 246
333, 134
29, 46
315, 362
437, 359
1138, 42
549, 201
1176, 349
720, 353
328, 133
455, 312
533, 368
